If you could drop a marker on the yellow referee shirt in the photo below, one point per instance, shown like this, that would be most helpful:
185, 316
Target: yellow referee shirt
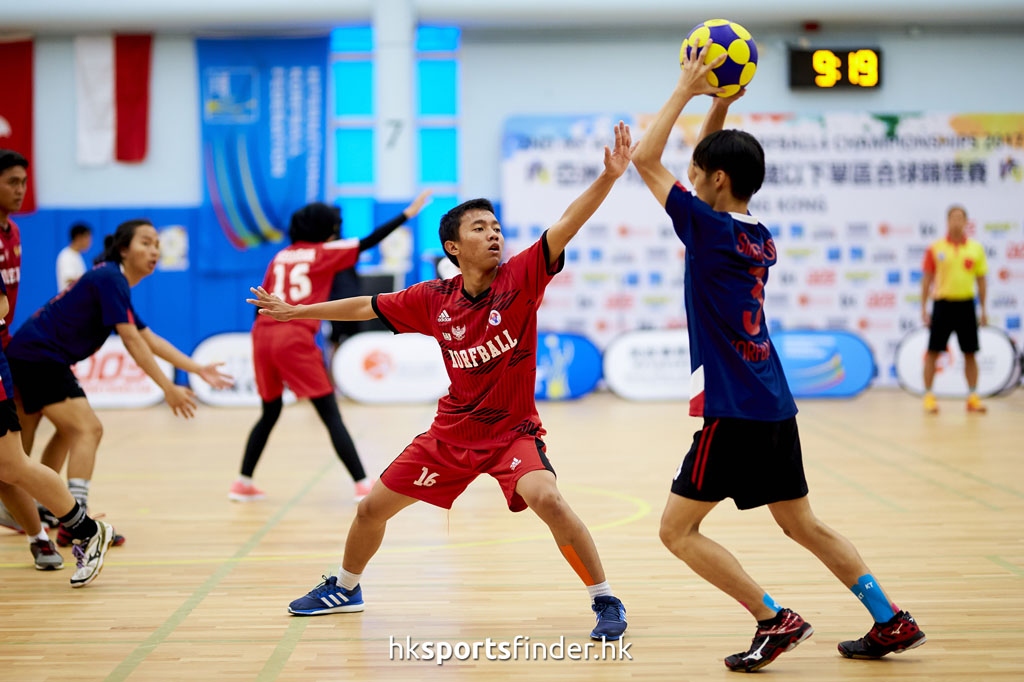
956, 265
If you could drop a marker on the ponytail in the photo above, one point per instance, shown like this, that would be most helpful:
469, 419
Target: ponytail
121, 239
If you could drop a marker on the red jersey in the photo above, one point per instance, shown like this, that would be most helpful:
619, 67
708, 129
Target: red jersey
489, 345
302, 273
10, 270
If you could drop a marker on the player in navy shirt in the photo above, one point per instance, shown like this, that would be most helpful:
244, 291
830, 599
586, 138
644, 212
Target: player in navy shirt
73, 326
21, 477
485, 322
749, 448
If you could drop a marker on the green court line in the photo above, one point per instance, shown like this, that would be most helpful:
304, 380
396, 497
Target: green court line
134, 659
870, 455
1012, 568
275, 664
867, 492
927, 458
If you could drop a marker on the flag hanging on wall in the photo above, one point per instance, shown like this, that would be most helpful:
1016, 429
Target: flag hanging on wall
112, 97
16, 107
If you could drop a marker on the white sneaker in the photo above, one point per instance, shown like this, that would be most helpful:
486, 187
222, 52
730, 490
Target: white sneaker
90, 560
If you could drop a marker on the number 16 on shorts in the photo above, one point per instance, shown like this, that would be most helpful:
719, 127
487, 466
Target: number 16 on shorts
426, 479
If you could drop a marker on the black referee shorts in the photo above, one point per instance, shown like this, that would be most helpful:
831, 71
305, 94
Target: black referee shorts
753, 462
954, 316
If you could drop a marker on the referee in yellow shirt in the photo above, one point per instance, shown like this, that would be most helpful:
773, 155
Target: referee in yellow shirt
953, 264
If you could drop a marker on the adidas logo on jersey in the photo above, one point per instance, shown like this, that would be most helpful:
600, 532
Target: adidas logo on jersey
443, 317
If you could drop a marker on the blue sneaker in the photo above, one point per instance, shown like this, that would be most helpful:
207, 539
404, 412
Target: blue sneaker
328, 597
611, 618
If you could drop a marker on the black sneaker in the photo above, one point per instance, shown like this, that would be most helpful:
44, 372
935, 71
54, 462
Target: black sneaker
787, 630
894, 636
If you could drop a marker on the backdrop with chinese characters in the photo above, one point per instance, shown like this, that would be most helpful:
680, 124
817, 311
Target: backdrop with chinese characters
852, 199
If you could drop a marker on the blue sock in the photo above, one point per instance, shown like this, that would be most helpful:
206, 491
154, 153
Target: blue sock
873, 599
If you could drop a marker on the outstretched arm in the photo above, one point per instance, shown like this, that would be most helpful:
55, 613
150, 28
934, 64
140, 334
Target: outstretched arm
615, 164
692, 82
411, 211
162, 348
343, 310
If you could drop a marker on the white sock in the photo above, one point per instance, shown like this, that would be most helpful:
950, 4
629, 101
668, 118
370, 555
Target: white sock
599, 590
348, 581
41, 536
245, 480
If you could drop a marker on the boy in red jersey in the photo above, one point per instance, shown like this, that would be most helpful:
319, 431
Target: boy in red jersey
485, 321
288, 354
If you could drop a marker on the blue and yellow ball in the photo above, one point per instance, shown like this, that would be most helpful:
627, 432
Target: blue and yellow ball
729, 38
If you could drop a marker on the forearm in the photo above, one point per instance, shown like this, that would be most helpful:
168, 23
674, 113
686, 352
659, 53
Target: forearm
982, 291
377, 236
343, 310
926, 286
584, 206
656, 136
715, 119
162, 348
143, 356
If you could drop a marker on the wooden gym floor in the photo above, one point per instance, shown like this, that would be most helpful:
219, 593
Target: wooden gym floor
198, 592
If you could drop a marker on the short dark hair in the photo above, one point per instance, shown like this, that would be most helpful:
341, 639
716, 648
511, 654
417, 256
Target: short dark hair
122, 237
450, 221
956, 207
10, 158
316, 222
738, 154
77, 230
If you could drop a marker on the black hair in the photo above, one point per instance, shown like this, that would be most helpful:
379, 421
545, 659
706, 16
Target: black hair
956, 207
738, 154
450, 221
315, 222
10, 158
122, 237
77, 230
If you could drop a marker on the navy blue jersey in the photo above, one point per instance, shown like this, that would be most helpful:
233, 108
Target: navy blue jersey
6, 383
76, 322
735, 369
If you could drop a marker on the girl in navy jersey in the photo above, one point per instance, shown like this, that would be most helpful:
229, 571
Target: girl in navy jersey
288, 354
20, 476
73, 326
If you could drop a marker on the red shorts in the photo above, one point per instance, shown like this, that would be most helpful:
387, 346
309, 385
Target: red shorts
436, 472
284, 355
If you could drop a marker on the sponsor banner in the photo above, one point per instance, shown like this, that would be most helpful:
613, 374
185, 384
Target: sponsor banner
263, 128
998, 364
853, 200
568, 366
825, 364
235, 351
381, 367
649, 365
112, 378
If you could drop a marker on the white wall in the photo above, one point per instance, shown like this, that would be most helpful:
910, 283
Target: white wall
170, 174
505, 74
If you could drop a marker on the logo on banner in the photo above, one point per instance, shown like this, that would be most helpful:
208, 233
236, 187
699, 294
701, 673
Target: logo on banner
111, 378
821, 277
1015, 251
882, 299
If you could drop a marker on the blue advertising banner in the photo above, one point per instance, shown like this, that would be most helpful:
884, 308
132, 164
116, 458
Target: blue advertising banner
825, 364
262, 116
568, 366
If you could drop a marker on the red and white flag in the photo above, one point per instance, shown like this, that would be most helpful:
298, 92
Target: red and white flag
112, 97
16, 107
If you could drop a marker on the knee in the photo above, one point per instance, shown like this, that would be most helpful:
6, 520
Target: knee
369, 513
548, 504
677, 539
12, 469
802, 532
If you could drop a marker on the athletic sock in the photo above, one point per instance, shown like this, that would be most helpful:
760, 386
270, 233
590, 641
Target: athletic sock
245, 480
41, 536
774, 606
599, 590
873, 598
79, 524
348, 581
79, 489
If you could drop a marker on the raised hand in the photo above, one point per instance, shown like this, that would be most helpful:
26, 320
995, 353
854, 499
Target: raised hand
271, 305
694, 78
616, 161
413, 209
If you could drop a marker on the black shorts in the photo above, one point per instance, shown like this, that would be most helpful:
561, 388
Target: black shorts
753, 462
954, 316
8, 418
43, 383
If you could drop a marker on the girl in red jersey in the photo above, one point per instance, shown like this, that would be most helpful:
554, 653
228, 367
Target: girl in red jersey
302, 273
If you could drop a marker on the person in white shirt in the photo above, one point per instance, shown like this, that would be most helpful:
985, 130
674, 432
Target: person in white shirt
70, 263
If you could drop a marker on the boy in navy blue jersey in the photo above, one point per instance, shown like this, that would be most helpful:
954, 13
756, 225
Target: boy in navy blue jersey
749, 448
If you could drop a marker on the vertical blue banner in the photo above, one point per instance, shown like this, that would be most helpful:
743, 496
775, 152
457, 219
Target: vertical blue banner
262, 118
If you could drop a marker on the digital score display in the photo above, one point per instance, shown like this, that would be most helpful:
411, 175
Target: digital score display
857, 68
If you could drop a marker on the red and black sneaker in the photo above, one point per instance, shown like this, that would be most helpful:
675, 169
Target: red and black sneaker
894, 636
64, 538
786, 630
